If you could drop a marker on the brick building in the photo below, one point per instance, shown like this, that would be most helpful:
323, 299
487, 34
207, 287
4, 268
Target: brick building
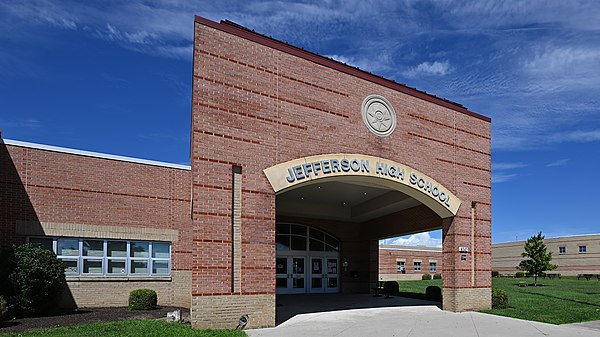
299, 165
577, 254
398, 263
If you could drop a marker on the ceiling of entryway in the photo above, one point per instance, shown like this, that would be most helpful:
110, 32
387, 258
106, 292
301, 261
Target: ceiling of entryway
343, 201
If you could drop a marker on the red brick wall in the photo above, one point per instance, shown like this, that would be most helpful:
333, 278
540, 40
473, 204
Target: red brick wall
47, 186
388, 258
256, 106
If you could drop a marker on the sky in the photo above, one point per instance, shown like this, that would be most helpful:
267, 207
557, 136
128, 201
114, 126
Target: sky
115, 77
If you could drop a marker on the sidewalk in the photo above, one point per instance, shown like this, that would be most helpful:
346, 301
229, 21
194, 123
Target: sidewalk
416, 321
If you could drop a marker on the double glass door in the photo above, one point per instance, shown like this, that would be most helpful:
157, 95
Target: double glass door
302, 274
324, 275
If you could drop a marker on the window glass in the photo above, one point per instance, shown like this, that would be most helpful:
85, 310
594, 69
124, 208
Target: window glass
139, 249
160, 250
116, 248
160, 267
45, 243
116, 267
417, 266
400, 266
67, 247
283, 242
562, 250
283, 229
333, 242
93, 248
92, 266
70, 266
316, 246
298, 230
298, 242
432, 267
139, 267
317, 234
582, 249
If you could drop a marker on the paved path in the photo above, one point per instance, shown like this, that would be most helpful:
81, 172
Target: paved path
415, 321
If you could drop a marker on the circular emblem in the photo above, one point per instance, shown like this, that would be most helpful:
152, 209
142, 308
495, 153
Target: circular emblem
378, 115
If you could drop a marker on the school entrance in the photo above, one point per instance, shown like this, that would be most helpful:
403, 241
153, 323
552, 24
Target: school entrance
307, 260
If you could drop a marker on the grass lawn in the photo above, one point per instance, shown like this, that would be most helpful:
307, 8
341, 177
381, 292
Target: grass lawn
557, 301
142, 328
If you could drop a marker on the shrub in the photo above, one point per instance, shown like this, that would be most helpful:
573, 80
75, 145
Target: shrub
391, 287
142, 299
520, 274
426, 277
437, 276
3, 308
31, 279
499, 299
495, 273
433, 293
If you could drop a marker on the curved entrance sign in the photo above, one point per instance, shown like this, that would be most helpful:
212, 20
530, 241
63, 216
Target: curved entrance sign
378, 171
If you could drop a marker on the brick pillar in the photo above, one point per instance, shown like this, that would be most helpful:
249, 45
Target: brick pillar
466, 274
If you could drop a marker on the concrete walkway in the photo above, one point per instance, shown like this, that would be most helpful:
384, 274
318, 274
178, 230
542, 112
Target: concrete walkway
414, 321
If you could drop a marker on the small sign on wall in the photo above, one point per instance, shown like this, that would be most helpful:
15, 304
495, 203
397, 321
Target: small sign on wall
463, 249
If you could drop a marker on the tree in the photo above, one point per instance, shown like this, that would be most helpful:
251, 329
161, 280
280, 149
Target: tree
538, 257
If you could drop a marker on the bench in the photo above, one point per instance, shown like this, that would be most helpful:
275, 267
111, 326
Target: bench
380, 289
588, 276
552, 275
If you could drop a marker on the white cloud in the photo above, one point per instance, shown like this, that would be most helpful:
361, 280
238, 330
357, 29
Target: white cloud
435, 68
419, 239
502, 177
506, 166
560, 162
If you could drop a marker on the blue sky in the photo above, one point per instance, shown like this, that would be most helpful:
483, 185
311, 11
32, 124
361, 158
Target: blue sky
115, 77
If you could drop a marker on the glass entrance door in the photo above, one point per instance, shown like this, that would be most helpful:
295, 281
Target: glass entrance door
290, 275
324, 275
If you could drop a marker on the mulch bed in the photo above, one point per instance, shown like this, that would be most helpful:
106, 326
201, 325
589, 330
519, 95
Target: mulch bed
85, 315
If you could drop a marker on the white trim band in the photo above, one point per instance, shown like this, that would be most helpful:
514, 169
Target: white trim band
94, 154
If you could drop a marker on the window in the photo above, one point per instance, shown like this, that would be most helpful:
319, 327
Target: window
432, 267
300, 237
562, 250
582, 249
417, 266
97, 257
400, 266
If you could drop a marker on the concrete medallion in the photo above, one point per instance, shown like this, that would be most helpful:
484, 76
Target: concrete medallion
378, 115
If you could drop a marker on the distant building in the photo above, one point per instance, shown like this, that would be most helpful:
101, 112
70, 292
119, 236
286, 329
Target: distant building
577, 254
408, 262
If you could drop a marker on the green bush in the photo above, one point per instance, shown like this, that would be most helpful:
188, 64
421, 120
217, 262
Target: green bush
3, 308
437, 276
433, 293
426, 277
499, 299
31, 279
142, 299
391, 287
495, 273
520, 274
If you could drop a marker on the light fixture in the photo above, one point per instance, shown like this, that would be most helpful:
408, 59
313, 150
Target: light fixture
365, 193
319, 187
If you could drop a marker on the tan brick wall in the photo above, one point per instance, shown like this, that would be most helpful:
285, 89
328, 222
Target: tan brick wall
225, 311
507, 256
114, 292
389, 256
465, 299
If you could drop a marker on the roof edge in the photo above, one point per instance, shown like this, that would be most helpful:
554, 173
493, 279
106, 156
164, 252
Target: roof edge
245, 33
94, 154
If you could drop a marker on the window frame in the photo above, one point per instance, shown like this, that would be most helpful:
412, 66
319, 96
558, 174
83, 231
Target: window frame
562, 250
584, 250
417, 264
434, 265
81, 259
400, 266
